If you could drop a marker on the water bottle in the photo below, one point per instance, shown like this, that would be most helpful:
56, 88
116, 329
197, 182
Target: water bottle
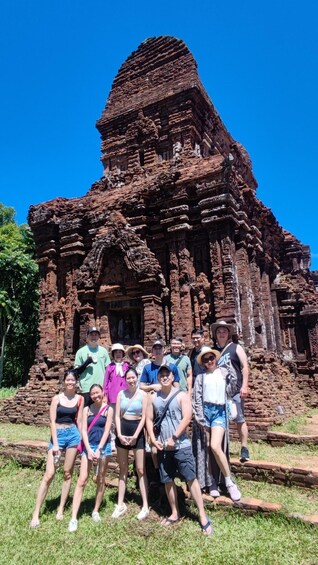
56, 459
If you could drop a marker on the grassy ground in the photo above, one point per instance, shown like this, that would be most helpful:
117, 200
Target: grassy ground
238, 539
295, 425
288, 454
17, 432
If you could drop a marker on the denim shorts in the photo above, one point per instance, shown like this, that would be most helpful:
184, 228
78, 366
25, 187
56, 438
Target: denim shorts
67, 437
179, 463
107, 449
214, 415
240, 419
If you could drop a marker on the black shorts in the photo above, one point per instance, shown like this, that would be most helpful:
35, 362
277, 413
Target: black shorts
128, 428
176, 463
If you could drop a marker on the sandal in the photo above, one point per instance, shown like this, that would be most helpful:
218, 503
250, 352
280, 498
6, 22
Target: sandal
167, 522
206, 527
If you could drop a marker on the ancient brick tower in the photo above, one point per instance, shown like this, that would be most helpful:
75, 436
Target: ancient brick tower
173, 235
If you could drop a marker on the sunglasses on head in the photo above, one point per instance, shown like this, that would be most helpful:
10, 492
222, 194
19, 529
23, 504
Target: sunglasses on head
208, 359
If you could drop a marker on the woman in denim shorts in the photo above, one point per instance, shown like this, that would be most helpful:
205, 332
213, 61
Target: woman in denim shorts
66, 413
97, 421
210, 409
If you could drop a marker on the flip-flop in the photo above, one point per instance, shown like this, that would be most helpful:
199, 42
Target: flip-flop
167, 522
206, 527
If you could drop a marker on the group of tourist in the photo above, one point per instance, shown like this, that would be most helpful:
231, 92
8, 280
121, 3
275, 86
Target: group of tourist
131, 400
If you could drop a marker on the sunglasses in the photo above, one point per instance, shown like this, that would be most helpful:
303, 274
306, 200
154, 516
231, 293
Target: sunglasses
208, 359
136, 351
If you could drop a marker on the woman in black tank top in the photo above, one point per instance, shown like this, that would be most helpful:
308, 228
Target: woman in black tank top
66, 411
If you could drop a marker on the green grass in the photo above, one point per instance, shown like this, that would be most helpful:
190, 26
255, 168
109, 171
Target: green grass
7, 392
289, 454
295, 424
17, 432
293, 499
238, 539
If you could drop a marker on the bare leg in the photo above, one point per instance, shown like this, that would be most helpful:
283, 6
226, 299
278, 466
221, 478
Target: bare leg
141, 472
122, 458
70, 456
100, 482
86, 466
171, 492
243, 433
196, 494
217, 434
43, 488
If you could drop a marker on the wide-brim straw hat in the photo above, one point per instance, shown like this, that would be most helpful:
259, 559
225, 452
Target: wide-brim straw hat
222, 324
137, 346
206, 349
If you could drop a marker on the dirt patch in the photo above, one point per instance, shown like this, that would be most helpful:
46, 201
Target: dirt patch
311, 425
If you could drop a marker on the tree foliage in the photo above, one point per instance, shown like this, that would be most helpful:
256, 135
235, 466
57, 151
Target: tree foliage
18, 299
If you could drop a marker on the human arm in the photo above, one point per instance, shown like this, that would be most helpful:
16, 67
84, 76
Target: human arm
79, 416
52, 414
149, 422
90, 452
245, 370
175, 372
121, 438
106, 383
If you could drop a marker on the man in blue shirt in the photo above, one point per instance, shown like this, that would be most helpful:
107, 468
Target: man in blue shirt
149, 377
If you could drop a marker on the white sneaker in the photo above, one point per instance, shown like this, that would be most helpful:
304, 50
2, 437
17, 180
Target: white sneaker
143, 514
96, 517
214, 492
119, 511
234, 492
72, 527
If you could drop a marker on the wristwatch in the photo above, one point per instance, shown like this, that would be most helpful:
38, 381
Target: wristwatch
175, 438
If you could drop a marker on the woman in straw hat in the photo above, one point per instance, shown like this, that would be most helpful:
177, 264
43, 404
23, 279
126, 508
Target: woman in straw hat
139, 358
211, 414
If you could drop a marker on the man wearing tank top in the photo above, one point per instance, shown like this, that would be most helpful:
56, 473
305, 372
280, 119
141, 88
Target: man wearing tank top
234, 354
174, 446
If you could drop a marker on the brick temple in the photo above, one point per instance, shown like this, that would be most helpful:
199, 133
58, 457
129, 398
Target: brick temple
171, 237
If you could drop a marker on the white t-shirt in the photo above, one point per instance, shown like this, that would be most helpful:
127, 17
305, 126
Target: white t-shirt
214, 387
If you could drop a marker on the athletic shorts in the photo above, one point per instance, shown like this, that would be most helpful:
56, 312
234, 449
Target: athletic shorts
128, 428
240, 419
107, 449
176, 463
214, 415
67, 437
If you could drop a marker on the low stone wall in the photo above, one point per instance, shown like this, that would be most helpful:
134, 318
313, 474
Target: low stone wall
275, 473
278, 439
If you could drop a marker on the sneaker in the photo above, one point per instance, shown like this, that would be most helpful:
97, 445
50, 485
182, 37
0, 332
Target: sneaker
214, 492
245, 455
234, 492
72, 527
96, 517
119, 511
143, 514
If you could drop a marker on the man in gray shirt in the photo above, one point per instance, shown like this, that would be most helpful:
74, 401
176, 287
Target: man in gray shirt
174, 410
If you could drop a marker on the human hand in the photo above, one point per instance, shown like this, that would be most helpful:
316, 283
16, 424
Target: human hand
132, 440
158, 444
244, 392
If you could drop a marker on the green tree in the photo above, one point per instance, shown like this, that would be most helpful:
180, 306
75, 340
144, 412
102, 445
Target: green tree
18, 299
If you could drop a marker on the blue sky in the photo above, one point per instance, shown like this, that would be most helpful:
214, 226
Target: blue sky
257, 61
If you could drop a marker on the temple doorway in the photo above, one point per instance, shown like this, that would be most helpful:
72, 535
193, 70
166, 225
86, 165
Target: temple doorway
125, 320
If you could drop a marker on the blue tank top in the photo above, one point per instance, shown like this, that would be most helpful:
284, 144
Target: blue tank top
96, 432
131, 408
